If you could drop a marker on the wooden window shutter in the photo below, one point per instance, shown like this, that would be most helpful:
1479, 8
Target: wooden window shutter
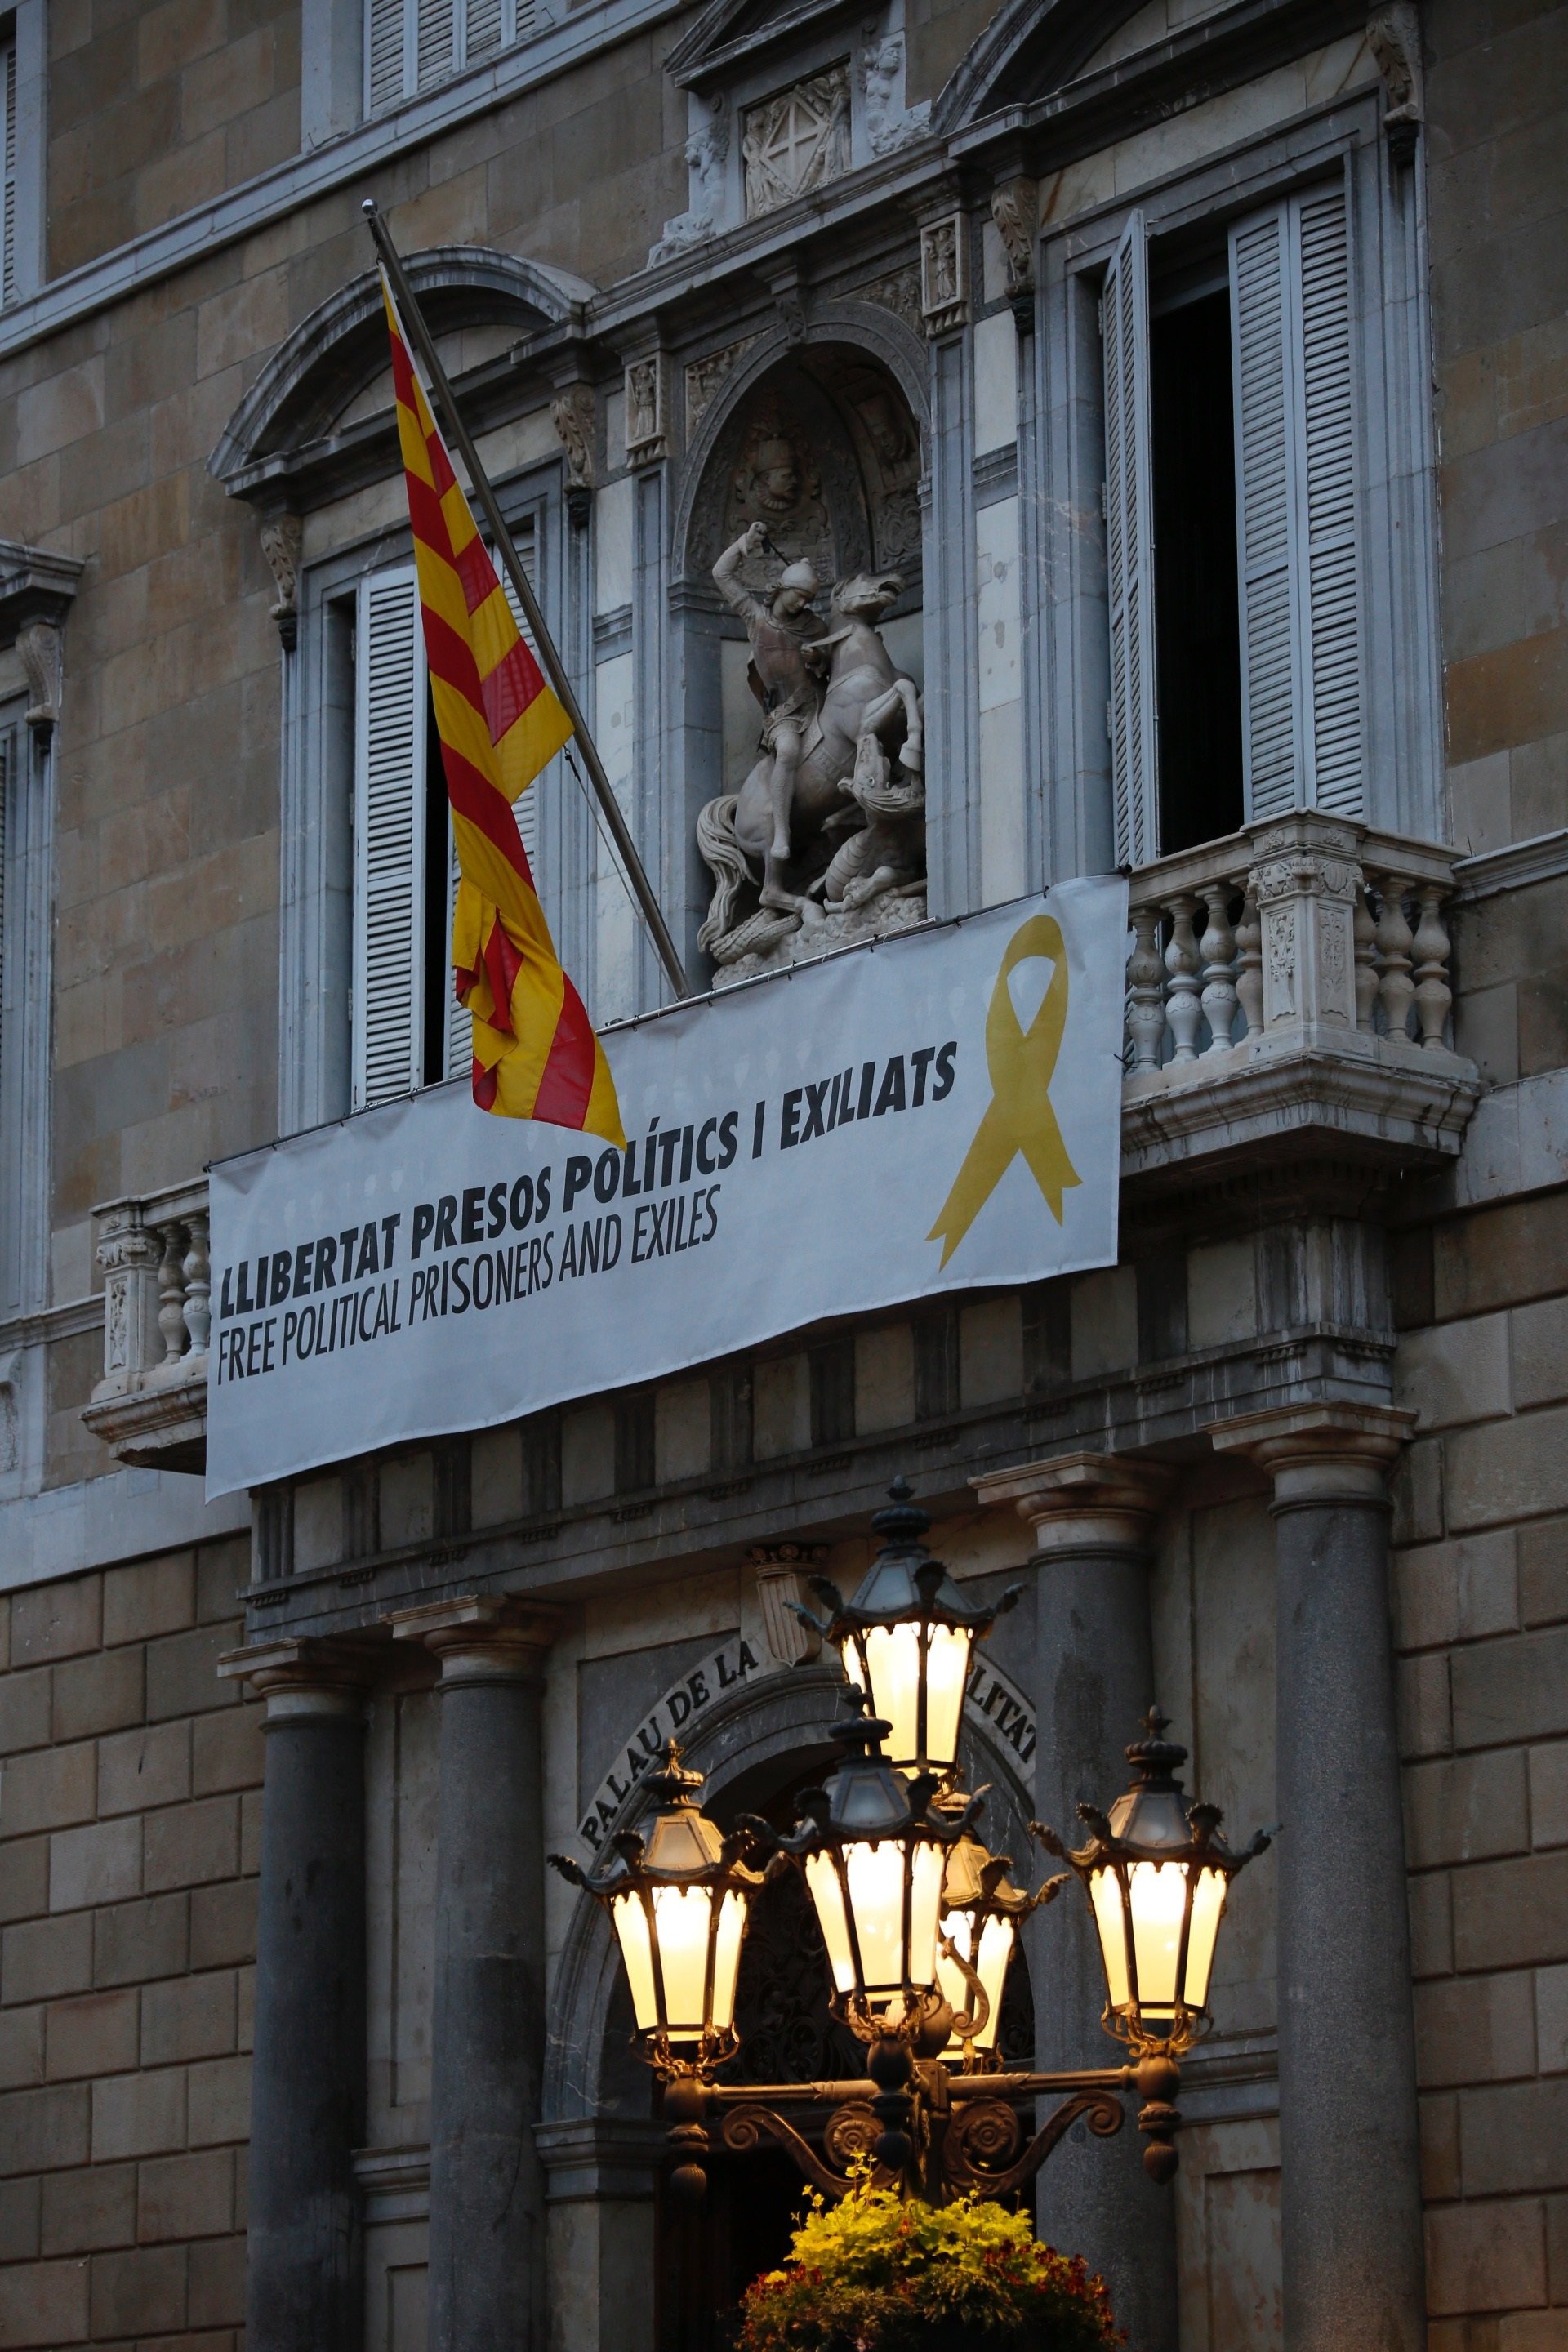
1130, 547
389, 838
437, 42
484, 29
385, 42
459, 1034
1296, 507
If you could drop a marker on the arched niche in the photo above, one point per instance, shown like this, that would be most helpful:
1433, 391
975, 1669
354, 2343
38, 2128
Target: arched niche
768, 1738
824, 442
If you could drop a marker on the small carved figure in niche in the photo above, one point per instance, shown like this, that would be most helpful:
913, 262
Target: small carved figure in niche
865, 696
780, 630
941, 250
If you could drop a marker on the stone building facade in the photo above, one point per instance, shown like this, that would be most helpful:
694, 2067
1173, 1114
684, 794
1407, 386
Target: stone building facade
1296, 1465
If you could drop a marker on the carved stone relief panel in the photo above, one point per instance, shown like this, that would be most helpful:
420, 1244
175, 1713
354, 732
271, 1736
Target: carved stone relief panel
704, 376
797, 141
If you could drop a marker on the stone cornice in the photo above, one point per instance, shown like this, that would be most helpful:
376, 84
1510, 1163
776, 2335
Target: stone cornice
1517, 865
35, 585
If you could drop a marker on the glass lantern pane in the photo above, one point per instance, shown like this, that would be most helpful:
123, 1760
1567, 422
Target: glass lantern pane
947, 1671
727, 1959
682, 1916
1158, 1891
996, 1939
631, 1928
822, 1879
1105, 1893
1208, 1909
954, 1985
893, 1658
925, 1907
875, 1874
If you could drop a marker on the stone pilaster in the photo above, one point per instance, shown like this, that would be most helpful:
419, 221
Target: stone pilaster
487, 2184
306, 2284
1093, 1518
1349, 2182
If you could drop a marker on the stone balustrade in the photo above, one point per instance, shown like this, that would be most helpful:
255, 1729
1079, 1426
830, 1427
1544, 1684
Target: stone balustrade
151, 1405
1294, 974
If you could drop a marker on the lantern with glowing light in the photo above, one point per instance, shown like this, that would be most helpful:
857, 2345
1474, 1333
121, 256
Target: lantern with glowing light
1157, 1875
981, 1911
874, 1849
678, 1905
907, 1638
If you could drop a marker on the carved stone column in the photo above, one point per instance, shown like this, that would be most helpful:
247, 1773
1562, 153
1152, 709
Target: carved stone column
1093, 1518
487, 2183
306, 2291
1350, 2183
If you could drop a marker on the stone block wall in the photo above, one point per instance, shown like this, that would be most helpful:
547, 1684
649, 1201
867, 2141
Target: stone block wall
130, 1821
1480, 1594
1496, 82
154, 109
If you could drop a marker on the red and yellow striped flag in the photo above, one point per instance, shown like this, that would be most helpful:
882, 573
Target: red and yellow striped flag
535, 1054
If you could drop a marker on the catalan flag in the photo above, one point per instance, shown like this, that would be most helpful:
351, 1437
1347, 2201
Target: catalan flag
535, 1054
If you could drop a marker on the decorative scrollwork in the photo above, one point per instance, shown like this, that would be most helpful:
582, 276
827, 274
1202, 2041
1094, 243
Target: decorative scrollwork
982, 2138
1099, 2108
851, 2134
746, 2127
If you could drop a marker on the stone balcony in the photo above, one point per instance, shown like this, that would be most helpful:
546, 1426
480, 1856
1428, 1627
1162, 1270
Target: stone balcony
1288, 1012
1289, 1001
151, 1406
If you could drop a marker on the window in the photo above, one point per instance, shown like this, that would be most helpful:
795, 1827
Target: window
412, 45
8, 183
1233, 528
408, 1030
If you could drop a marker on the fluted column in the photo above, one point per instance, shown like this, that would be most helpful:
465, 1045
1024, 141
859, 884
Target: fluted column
487, 2183
306, 2282
1093, 1518
1349, 2182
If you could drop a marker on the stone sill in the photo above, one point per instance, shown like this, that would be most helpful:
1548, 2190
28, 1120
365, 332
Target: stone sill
1359, 1095
154, 1427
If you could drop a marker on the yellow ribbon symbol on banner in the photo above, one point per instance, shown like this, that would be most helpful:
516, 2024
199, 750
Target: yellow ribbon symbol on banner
1019, 1118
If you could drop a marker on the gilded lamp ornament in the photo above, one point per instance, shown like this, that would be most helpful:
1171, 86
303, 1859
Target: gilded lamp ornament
907, 1638
677, 1904
981, 1911
1157, 1875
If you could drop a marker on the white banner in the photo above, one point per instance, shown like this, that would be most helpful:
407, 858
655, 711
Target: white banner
938, 1112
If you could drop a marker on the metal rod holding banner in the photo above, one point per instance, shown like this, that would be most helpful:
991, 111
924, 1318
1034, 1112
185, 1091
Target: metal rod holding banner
479, 482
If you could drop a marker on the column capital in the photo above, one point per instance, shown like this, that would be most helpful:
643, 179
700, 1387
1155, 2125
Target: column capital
1079, 1502
480, 1636
321, 1681
1328, 1451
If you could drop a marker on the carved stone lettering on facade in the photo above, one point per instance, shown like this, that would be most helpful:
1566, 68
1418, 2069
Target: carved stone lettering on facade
797, 141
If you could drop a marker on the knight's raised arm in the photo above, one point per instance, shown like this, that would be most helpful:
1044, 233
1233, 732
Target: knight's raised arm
727, 571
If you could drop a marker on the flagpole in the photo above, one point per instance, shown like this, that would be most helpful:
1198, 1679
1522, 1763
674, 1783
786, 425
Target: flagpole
604, 792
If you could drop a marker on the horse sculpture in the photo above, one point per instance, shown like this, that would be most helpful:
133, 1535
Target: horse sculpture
870, 716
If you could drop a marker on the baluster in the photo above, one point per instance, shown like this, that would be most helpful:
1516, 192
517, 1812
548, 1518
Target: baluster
197, 1270
1146, 989
1183, 1004
1249, 964
1433, 994
1365, 937
1394, 987
172, 1292
1217, 948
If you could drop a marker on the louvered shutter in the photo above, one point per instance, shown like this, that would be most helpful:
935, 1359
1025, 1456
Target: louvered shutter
1296, 507
8, 185
484, 29
385, 35
1130, 546
437, 42
389, 839
459, 1034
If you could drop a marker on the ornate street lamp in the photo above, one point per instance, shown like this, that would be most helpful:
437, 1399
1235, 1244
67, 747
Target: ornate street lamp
874, 1849
907, 1638
679, 1908
1157, 1875
982, 1911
